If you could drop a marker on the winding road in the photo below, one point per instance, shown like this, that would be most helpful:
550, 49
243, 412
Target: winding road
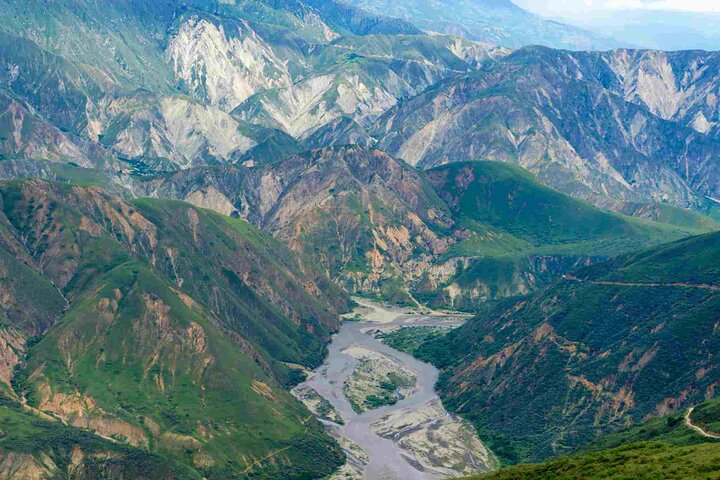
688, 422
699, 286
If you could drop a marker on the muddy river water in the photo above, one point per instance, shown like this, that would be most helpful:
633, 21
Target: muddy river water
405, 453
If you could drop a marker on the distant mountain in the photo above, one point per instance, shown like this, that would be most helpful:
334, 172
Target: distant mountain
355, 80
499, 22
669, 30
173, 86
602, 348
621, 126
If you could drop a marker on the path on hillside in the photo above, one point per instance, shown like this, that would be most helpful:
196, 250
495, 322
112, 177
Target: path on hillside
701, 286
688, 422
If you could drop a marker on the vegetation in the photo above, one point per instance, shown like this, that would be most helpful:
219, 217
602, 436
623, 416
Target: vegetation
505, 207
376, 383
518, 235
23, 433
409, 339
631, 462
587, 355
663, 447
168, 341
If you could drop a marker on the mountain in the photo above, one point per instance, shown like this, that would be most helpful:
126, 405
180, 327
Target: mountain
357, 79
499, 22
514, 235
601, 348
605, 127
190, 191
171, 86
179, 86
162, 326
361, 214
457, 235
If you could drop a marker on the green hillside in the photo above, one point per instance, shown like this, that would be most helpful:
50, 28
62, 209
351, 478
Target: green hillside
590, 353
632, 462
33, 447
663, 213
508, 210
175, 336
663, 447
514, 235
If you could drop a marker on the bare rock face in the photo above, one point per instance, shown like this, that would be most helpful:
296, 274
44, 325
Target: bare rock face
225, 63
359, 80
591, 125
677, 86
173, 132
12, 351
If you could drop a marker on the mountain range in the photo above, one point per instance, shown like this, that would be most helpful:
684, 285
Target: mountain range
670, 30
191, 191
499, 22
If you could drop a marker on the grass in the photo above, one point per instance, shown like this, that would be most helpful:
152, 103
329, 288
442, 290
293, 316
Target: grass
662, 447
506, 208
638, 461
518, 235
565, 342
409, 339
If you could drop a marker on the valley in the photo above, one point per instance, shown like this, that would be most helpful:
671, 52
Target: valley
414, 438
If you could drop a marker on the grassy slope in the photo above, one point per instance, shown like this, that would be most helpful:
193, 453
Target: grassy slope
139, 360
211, 269
632, 462
505, 206
520, 234
672, 215
586, 357
35, 440
662, 447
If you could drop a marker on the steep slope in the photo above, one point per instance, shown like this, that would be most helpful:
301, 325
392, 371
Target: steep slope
174, 132
664, 447
121, 55
362, 215
500, 22
109, 86
358, 79
165, 327
599, 349
678, 86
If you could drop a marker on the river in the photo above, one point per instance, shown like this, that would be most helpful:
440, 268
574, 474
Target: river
408, 453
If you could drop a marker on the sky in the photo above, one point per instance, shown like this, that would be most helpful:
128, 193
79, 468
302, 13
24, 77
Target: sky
568, 8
